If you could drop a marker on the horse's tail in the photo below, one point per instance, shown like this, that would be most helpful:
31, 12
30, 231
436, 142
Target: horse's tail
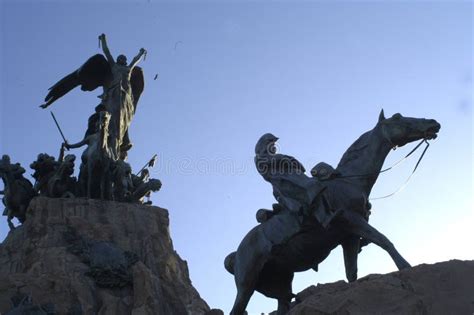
229, 262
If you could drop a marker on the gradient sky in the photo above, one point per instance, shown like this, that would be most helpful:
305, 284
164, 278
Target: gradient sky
316, 74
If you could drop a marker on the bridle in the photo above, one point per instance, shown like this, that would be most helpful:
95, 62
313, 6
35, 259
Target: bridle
412, 172
369, 175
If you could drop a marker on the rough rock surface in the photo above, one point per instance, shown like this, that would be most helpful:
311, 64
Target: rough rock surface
442, 288
36, 260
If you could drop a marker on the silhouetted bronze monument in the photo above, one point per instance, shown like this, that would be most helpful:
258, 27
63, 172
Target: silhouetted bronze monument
103, 171
122, 83
316, 214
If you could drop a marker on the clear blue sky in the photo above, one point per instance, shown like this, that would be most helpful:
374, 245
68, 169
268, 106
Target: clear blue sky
314, 74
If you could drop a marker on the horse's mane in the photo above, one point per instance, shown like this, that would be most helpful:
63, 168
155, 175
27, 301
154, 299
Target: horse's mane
354, 151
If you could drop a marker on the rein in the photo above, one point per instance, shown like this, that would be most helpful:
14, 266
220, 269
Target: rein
393, 166
412, 172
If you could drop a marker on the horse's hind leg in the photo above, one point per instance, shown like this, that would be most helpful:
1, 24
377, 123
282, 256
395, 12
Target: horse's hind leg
283, 306
244, 293
246, 272
350, 249
248, 265
357, 225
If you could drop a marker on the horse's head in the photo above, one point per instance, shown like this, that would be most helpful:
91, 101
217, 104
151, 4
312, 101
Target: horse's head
154, 184
399, 130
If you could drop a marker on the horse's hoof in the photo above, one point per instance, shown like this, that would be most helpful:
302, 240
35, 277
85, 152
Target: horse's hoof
352, 277
404, 265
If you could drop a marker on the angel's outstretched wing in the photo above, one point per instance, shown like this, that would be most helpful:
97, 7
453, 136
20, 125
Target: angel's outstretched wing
92, 74
137, 83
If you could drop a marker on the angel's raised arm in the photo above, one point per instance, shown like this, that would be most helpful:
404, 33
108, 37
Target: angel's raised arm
137, 57
106, 50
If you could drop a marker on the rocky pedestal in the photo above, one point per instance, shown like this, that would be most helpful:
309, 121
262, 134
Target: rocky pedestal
83, 256
442, 288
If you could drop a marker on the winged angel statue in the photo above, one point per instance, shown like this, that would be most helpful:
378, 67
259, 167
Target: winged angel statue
122, 83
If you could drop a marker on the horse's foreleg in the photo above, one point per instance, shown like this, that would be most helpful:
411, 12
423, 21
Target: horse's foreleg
283, 306
355, 224
9, 219
89, 181
350, 249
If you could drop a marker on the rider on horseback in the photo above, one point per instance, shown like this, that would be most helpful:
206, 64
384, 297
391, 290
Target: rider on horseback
292, 189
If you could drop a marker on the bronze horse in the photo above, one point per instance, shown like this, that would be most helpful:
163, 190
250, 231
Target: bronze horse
287, 242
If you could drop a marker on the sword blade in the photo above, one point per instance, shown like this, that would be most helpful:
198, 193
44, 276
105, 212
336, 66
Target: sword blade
59, 128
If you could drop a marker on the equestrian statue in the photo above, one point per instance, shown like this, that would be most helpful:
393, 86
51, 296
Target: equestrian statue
316, 214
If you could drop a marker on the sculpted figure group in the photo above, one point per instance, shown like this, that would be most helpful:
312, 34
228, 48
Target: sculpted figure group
104, 172
311, 216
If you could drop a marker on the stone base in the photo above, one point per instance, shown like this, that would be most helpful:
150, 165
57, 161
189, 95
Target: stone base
442, 288
39, 261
